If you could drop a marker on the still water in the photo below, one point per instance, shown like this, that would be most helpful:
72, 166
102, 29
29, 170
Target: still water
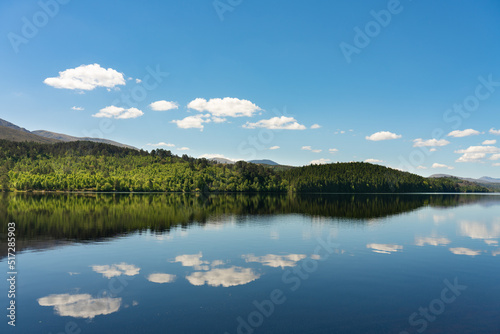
253, 263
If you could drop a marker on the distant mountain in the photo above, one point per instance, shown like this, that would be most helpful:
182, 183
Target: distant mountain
264, 162
489, 179
12, 126
67, 138
222, 160
13, 134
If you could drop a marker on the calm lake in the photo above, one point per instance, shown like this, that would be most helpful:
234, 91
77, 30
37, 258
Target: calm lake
235, 263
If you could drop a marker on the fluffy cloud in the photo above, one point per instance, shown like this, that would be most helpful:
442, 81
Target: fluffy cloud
192, 122
436, 165
321, 161
110, 271
86, 77
193, 260
494, 132
383, 135
306, 148
81, 306
384, 248
419, 142
118, 113
489, 142
276, 123
333, 150
421, 167
495, 156
480, 149
162, 144
184, 149
315, 126
463, 133
161, 278
77, 108
478, 230
471, 157
274, 147
164, 105
223, 277
226, 107
464, 251
272, 260
373, 161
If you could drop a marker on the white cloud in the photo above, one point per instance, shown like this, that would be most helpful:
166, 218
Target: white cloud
471, 157
384, 248
110, 271
192, 122
315, 126
306, 148
273, 260
223, 277
86, 77
81, 305
138, 81
433, 241
496, 164
478, 230
433, 150
463, 133
184, 149
383, 135
494, 132
480, 149
276, 123
321, 161
164, 105
333, 150
489, 142
226, 107
419, 142
421, 167
77, 108
317, 151
274, 147
373, 161
161, 278
218, 120
436, 165
464, 251
495, 156
162, 144
118, 113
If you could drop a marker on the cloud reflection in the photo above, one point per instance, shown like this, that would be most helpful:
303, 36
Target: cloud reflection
478, 230
433, 241
465, 251
81, 305
113, 270
272, 260
161, 278
384, 248
223, 277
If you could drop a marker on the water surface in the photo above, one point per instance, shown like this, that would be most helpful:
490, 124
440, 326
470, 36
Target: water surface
255, 263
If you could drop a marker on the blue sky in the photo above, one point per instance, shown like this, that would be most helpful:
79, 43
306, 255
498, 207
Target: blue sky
258, 75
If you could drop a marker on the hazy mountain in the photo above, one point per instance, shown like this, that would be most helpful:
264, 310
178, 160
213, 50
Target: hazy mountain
489, 179
67, 138
13, 134
10, 131
264, 162
222, 160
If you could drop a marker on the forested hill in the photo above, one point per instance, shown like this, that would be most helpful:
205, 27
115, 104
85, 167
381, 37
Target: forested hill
88, 166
